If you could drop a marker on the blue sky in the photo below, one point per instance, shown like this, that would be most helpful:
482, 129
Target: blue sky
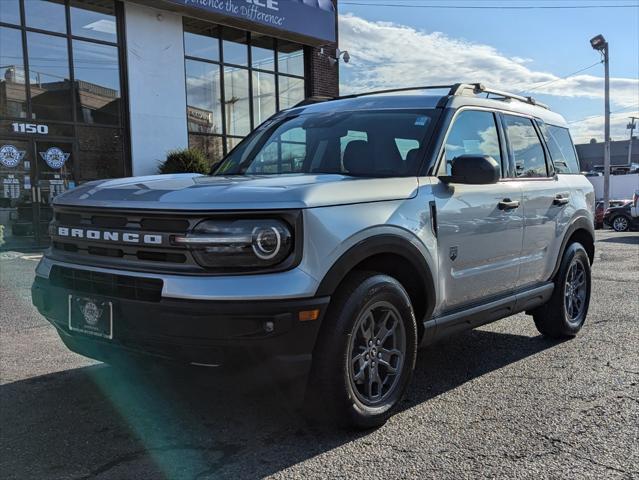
512, 49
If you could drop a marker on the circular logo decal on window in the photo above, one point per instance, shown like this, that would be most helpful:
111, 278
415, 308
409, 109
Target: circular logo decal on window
55, 158
10, 156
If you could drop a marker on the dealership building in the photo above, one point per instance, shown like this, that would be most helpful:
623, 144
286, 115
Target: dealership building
102, 88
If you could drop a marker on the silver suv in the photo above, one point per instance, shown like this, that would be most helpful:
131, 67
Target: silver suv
331, 243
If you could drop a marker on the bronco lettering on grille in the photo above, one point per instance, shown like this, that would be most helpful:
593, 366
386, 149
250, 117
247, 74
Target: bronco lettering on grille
110, 236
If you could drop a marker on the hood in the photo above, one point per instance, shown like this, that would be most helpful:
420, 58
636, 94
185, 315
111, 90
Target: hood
268, 192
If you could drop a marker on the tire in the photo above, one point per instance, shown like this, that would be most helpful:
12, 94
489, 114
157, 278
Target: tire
339, 388
620, 223
564, 315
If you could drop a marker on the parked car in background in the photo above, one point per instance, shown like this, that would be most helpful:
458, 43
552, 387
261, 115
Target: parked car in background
599, 210
620, 218
634, 207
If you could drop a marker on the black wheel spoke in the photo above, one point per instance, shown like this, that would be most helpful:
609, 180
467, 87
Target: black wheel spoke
377, 352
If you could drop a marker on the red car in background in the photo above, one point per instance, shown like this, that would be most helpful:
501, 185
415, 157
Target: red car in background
599, 210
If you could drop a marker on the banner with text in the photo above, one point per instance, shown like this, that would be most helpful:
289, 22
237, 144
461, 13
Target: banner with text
311, 18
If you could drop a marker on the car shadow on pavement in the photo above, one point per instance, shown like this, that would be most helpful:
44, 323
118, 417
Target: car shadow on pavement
103, 422
627, 239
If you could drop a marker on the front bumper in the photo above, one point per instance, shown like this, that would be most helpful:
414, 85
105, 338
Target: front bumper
212, 333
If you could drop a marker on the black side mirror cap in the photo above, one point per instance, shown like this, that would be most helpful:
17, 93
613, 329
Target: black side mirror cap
473, 170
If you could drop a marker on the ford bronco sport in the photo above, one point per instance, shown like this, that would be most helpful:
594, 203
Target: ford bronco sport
332, 242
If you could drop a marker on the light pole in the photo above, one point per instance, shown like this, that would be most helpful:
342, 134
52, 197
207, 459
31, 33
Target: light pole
600, 44
631, 126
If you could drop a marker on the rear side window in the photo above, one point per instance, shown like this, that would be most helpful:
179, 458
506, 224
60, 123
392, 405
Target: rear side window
561, 149
525, 145
473, 133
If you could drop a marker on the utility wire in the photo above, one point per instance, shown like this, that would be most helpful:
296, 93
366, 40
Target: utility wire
596, 116
560, 78
487, 7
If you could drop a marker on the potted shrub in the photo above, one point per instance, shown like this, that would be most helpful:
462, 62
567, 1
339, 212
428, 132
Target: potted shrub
188, 160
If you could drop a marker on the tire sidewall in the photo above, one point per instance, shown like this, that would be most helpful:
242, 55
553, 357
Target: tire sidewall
574, 252
373, 289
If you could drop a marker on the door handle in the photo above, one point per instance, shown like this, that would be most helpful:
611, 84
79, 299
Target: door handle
508, 204
560, 200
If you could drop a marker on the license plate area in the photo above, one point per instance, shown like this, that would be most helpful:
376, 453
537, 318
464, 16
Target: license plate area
91, 316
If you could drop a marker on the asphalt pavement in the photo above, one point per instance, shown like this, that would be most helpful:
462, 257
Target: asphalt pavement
497, 402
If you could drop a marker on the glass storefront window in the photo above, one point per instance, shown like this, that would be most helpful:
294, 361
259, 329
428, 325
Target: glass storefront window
97, 82
45, 15
49, 76
290, 58
203, 94
249, 94
10, 11
94, 21
236, 101
291, 91
210, 145
262, 53
234, 47
201, 40
13, 96
263, 97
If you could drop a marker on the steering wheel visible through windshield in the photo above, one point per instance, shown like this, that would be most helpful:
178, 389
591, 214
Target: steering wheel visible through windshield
382, 143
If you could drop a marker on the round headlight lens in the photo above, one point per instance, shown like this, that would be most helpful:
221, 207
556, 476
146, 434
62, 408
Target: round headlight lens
267, 242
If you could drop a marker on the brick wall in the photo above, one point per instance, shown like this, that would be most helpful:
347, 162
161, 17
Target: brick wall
322, 73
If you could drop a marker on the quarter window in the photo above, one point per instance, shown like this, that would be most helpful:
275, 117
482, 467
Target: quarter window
561, 149
473, 133
528, 153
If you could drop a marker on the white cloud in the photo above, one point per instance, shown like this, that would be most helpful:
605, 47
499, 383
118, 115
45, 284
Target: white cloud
593, 127
387, 55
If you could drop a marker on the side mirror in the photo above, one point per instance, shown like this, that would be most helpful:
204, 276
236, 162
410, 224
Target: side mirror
473, 170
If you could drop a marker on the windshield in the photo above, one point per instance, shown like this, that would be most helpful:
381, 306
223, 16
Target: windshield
388, 143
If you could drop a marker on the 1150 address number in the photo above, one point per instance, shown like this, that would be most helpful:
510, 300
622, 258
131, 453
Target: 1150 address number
30, 128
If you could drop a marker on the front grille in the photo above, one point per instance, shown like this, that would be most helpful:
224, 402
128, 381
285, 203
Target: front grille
120, 254
106, 284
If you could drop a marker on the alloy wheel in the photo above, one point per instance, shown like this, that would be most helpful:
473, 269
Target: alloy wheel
620, 224
376, 353
575, 291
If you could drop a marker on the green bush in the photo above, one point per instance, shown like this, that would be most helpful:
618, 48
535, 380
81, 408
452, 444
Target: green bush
189, 160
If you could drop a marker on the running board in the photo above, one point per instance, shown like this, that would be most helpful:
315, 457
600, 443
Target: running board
472, 317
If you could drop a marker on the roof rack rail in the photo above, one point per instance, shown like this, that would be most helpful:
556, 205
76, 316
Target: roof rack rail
453, 90
479, 88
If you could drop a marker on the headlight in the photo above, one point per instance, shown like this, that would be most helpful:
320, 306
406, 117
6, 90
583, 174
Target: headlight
238, 243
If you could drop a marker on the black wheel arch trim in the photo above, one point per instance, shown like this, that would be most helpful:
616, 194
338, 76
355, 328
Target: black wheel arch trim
376, 245
581, 223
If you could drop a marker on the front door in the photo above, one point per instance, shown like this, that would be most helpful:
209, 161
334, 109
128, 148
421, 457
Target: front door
480, 227
32, 173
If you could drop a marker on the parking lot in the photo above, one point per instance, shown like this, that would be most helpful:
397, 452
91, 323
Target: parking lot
496, 402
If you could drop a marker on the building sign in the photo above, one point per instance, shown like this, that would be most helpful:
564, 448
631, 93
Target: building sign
310, 18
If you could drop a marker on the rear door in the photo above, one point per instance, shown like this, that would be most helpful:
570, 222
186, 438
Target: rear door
544, 198
479, 237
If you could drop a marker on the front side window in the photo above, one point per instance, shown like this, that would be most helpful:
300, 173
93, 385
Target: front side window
527, 151
561, 149
473, 133
349, 143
